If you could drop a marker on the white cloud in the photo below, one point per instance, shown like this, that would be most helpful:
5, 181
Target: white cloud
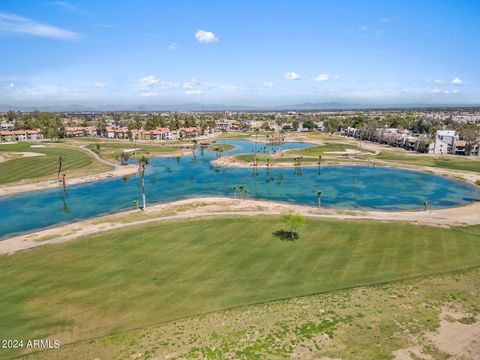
149, 93
384, 20
455, 91
457, 81
325, 77
66, 6
292, 76
173, 46
148, 86
364, 28
440, 91
437, 82
205, 37
18, 24
100, 85
267, 84
10, 86
194, 92
148, 81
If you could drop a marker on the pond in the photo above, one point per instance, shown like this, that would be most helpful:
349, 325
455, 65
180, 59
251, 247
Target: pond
175, 178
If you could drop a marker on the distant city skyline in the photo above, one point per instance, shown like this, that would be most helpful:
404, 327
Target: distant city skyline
245, 53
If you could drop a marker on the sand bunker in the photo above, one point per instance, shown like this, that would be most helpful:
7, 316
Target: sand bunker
16, 155
37, 146
130, 150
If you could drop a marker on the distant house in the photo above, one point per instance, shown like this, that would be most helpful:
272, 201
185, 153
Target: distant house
73, 131
6, 126
34, 134
445, 142
190, 132
21, 135
109, 132
6, 135
158, 134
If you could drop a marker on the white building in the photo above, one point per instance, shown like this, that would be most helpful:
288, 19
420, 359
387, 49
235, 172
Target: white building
445, 142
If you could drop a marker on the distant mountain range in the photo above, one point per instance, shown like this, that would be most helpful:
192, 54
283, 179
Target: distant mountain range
220, 107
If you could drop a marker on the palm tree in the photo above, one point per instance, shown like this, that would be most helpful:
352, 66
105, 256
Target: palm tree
60, 162
143, 162
319, 160
319, 196
234, 188
425, 205
241, 191
246, 191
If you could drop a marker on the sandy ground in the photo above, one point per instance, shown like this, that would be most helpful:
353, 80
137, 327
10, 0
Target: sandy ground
16, 154
459, 340
222, 206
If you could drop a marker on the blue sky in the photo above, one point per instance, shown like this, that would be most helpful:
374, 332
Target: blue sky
239, 52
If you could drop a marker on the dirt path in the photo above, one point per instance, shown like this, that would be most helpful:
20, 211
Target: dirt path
222, 206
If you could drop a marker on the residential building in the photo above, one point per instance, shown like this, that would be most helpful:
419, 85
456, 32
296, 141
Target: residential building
445, 142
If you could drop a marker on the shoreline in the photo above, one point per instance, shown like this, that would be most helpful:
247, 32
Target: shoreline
124, 170
230, 162
197, 208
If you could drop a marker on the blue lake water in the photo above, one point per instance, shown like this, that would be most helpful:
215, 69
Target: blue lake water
167, 179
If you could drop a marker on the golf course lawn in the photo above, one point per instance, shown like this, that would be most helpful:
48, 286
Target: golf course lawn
144, 275
44, 166
108, 150
326, 149
445, 162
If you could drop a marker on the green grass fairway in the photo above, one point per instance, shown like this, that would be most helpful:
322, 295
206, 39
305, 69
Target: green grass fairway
144, 275
446, 162
46, 166
108, 150
324, 149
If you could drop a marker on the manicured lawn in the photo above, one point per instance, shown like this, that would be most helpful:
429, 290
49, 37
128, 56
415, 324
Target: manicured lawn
323, 149
446, 162
220, 147
144, 275
45, 166
109, 150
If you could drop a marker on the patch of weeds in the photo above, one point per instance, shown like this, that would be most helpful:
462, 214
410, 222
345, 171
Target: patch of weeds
467, 320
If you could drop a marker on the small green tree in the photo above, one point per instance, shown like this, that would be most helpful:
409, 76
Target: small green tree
425, 205
294, 221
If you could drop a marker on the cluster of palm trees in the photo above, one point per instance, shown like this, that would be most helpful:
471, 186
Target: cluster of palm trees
242, 192
123, 157
297, 161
